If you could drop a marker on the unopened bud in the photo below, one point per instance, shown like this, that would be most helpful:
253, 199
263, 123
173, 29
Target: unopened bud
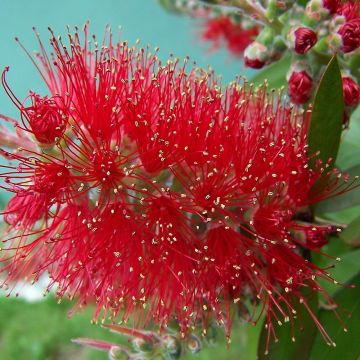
193, 344
351, 91
256, 55
116, 353
172, 345
331, 5
350, 35
300, 87
302, 39
47, 118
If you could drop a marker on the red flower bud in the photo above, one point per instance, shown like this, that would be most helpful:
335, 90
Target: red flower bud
300, 87
305, 39
350, 34
351, 91
256, 55
254, 63
331, 5
46, 117
316, 236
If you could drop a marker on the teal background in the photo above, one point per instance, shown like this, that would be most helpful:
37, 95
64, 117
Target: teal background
139, 19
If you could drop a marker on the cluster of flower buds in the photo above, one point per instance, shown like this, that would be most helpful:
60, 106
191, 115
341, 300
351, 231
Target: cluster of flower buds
310, 33
153, 190
146, 345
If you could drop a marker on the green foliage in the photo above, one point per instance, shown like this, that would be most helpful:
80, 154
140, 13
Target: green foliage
275, 74
347, 343
292, 344
327, 114
346, 200
41, 331
351, 235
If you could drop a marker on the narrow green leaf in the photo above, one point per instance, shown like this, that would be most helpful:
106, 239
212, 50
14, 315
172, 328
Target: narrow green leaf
275, 74
351, 235
347, 343
327, 114
304, 334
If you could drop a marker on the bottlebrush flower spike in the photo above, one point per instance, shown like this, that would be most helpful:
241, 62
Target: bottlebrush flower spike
223, 29
167, 195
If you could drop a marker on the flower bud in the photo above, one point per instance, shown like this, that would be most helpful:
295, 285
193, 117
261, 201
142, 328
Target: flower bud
300, 87
316, 10
256, 55
193, 344
315, 237
278, 7
172, 345
46, 117
117, 353
331, 5
303, 39
334, 42
351, 91
350, 35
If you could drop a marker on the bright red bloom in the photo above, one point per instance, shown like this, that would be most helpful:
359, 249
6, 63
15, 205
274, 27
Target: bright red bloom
300, 87
305, 39
350, 9
168, 195
223, 29
350, 35
351, 91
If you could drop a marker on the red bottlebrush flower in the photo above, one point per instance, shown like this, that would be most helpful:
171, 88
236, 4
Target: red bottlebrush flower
300, 87
168, 196
351, 91
223, 29
305, 39
350, 35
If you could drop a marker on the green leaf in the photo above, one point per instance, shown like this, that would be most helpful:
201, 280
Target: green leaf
275, 74
349, 152
304, 333
344, 201
347, 343
302, 2
342, 271
327, 114
351, 235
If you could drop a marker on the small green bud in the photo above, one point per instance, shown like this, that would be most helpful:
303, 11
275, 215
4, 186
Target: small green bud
172, 345
117, 353
193, 344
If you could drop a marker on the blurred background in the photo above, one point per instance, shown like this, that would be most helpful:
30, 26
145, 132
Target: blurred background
37, 328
